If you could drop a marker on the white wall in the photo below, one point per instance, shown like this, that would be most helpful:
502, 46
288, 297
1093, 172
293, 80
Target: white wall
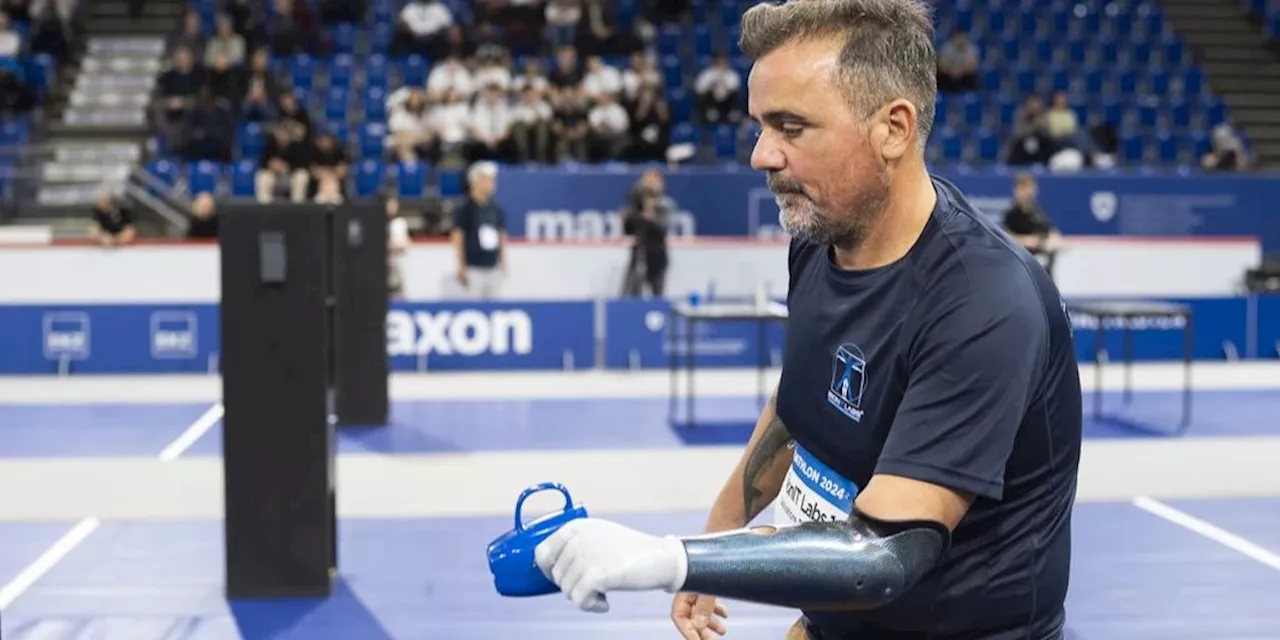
190, 273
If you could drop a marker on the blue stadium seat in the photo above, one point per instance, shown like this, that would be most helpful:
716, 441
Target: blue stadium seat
13, 132
1132, 147
165, 171
672, 72
988, 145
703, 41
302, 71
1026, 79
669, 38
242, 178
1173, 53
370, 175
1215, 111
1169, 147
1148, 112
974, 109
252, 139
376, 71
344, 38
451, 184
952, 145
1157, 81
1192, 82
372, 137
414, 71
203, 176
1180, 113
336, 100
730, 13
411, 179
381, 36
342, 70
681, 104
340, 130
725, 142
684, 133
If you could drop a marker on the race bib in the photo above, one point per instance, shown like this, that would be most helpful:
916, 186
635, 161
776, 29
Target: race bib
488, 237
812, 492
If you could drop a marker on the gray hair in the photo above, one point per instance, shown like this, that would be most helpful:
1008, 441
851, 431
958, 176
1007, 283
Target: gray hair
887, 54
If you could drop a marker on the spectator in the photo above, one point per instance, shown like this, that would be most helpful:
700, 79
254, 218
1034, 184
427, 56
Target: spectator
1031, 143
480, 234
113, 225
601, 79
338, 11
490, 127
204, 217
290, 112
421, 29
408, 123
647, 217
293, 28
717, 90
223, 81
246, 15
1228, 153
1062, 126
329, 167
643, 73
650, 126
261, 88
398, 244
531, 127
1027, 222
51, 30
562, 18
493, 69
283, 159
227, 42
449, 123
17, 10
450, 74
532, 77
665, 11
178, 87
566, 74
610, 127
958, 64
208, 130
191, 37
570, 125
16, 96
10, 40
596, 34
457, 42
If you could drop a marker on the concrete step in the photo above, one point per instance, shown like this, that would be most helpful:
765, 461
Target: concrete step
1234, 38
52, 173
1253, 116
1265, 100
124, 45
116, 64
91, 152
131, 84
1242, 53
86, 101
151, 9
68, 195
97, 117
145, 25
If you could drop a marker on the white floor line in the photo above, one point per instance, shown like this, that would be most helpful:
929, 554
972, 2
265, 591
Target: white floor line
198, 428
1210, 531
47, 561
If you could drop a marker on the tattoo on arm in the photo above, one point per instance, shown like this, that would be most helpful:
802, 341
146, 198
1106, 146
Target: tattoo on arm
763, 474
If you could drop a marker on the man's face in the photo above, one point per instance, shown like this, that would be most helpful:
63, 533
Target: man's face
824, 166
1025, 193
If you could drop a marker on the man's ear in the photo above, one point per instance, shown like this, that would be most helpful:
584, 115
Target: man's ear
899, 126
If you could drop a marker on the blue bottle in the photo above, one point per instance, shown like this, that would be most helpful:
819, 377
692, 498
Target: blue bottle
511, 559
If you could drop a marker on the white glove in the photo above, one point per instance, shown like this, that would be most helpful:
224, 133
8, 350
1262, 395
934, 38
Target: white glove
589, 557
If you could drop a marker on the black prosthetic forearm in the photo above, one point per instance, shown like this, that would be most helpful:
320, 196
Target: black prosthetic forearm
861, 563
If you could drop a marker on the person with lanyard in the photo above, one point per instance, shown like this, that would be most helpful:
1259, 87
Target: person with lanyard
480, 234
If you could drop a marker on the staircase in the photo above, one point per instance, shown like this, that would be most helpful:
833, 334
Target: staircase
1240, 66
97, 118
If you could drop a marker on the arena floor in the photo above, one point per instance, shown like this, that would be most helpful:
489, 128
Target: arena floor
111, 498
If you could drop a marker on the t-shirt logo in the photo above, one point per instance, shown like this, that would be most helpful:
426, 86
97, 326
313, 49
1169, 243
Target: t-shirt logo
848, 381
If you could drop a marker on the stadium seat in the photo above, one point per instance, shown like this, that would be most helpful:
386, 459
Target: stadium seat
372, 137
988, 146
242, 178
411, 179
370, 175
414, 71
341, 71
450, 184
203, 177
375, 104
252, 140
725, 142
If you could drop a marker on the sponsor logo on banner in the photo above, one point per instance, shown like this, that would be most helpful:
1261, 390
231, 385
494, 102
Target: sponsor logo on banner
813, 492
462, 333
563, 224
174, 335
66, 335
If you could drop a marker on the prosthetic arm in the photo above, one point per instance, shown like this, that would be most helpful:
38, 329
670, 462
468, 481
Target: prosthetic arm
861, 563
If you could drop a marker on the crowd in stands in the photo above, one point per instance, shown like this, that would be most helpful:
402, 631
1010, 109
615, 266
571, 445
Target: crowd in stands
35, 37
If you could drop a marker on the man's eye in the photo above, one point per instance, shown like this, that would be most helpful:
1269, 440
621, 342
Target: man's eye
791, 131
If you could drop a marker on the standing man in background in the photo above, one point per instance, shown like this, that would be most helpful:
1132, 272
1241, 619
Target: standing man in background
647, 217
480, 234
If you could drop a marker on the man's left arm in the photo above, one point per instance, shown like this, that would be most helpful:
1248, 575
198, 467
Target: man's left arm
953, 432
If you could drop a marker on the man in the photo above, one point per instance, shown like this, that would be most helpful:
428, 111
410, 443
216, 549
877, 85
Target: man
924, 438
113, 225
647, 217
1027, 221
480, 234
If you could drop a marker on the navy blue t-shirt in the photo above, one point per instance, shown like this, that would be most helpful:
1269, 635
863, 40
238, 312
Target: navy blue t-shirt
954, 365
482, 225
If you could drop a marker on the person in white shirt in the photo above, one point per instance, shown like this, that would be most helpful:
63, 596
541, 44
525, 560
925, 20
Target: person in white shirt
610, 129
493, 70
490, 126
601, 79
562, 22
10, 41
531, 127
532, 76
450, 74
717, 90
398, 244
421, 28
408, 123
643, 73
450, 120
